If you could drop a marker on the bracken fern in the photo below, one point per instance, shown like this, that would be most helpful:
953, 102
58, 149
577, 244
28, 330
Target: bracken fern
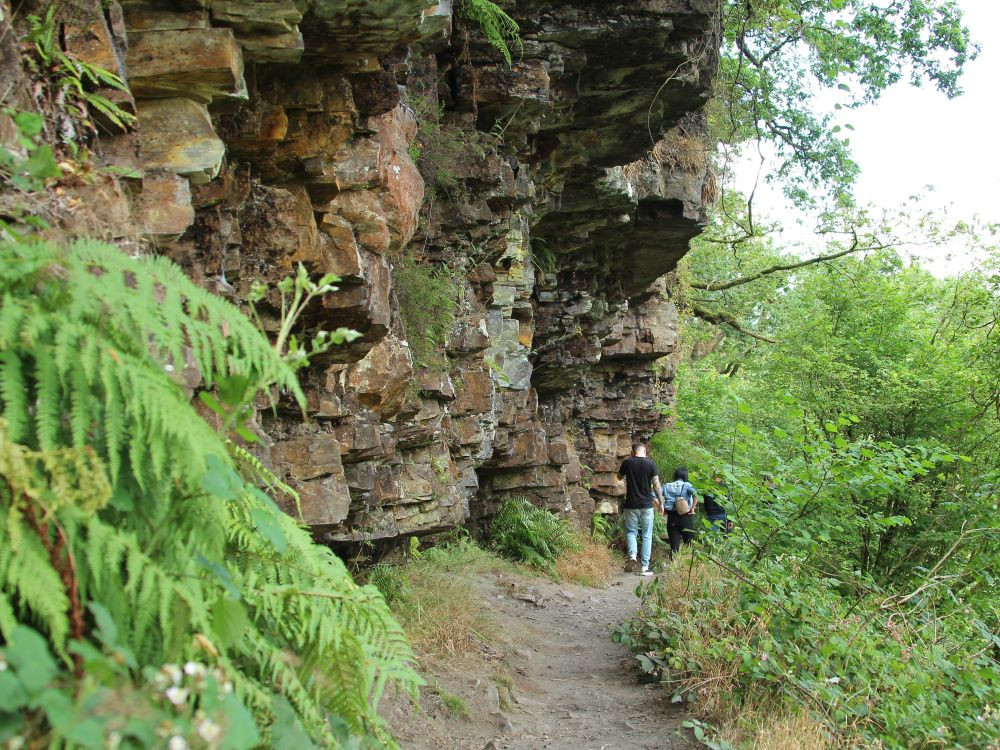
499, 28
523, 532
116, 491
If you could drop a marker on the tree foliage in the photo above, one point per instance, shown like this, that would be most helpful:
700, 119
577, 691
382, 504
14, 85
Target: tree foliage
858, 458
777, 54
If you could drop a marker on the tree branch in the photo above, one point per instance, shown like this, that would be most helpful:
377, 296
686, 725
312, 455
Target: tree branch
718, 286
721, 317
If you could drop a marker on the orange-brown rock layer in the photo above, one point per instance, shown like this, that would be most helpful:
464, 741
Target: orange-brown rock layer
272, 134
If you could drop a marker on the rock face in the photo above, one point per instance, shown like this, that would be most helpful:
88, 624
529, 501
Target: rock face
347, 135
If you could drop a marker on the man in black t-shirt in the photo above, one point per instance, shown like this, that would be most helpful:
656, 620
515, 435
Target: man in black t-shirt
642, 492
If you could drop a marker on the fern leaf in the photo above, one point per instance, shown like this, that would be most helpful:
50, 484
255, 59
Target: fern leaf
12, 390
48, 402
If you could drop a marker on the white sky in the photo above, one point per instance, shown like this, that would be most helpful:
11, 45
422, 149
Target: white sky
913, 138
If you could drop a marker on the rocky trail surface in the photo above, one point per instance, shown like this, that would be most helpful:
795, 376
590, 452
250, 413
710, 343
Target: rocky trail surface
558, 683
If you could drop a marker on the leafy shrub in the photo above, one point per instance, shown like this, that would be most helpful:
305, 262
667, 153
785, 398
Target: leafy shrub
781, 636
127, 531
428, 301
522, 532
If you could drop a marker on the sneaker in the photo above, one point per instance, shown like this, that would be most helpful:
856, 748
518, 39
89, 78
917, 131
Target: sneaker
647, 572
632, 565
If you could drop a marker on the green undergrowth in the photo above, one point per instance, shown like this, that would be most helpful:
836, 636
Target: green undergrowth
526, 533
782, 638
433, 596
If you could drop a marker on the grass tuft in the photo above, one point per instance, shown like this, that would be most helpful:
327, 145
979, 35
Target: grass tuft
588, 563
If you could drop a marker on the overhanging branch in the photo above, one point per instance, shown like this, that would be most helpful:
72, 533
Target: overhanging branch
721, 317
718, 286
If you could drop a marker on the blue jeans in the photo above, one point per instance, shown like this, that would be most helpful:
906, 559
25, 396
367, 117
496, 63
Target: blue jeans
640, 521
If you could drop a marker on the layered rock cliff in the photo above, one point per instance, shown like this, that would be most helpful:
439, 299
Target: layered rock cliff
360, 138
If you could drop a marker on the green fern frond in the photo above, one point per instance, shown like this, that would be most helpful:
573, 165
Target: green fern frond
499, 28
96, 433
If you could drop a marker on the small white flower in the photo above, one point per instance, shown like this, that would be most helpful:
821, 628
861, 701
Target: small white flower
173, 672
168, 368
833, 680
194, 669
178, 743
227, 687
209, 731
763, 657
3, 666
177, 695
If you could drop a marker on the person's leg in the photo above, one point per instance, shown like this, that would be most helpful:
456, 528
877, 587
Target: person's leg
674, 533
646, 518
687, 529
631, 527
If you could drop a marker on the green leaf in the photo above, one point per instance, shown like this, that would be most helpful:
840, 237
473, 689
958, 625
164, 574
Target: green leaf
41, 164
248, 436
286, 731
87, 733
29, 123
229, 621
107, 631
220, 479
241, 730
743, 429
29, 654
10, 725
12, 694
830, 426
222, 576
212, 403
268, 525
58, 709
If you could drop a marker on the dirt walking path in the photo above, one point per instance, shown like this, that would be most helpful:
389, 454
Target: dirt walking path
559, 683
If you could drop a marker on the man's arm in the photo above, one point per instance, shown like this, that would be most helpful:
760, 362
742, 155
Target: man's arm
659, 492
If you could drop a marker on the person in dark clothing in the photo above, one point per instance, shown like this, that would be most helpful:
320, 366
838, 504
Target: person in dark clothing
642, 492
680, 506
715, 513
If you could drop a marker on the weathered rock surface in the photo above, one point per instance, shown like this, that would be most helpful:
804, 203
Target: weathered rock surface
297, 131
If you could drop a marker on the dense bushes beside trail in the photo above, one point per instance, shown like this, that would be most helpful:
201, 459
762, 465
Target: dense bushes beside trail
885, 673
857, 595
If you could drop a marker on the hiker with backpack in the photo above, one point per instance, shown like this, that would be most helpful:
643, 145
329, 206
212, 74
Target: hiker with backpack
680, 502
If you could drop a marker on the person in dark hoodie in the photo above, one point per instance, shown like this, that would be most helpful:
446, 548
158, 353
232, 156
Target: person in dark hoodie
715, 512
